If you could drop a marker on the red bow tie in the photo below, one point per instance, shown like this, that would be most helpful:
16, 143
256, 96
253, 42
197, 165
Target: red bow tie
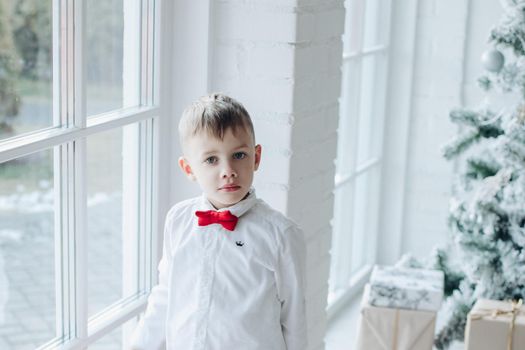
225, 218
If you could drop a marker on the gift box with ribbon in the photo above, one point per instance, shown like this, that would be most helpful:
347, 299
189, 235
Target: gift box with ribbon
383, 328
494, 324
406, 288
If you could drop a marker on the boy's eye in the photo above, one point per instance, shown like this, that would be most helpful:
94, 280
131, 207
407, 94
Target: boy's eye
239, 155
211, 160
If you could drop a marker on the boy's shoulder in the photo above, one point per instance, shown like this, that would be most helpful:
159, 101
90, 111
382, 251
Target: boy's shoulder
268, 216
183, 207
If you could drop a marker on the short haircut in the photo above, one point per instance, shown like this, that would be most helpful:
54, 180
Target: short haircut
215, 114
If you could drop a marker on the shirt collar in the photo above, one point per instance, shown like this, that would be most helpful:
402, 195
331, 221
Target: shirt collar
238, 209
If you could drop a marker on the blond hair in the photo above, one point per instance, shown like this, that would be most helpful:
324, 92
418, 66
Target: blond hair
215, 114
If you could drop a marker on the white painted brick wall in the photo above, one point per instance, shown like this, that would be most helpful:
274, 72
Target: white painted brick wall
282, 60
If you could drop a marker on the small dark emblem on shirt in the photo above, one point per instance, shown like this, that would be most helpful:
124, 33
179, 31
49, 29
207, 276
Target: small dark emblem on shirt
239, 243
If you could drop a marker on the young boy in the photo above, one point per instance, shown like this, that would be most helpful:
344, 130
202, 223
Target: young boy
232, 272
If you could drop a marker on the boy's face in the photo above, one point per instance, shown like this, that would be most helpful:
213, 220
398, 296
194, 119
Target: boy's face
223, 168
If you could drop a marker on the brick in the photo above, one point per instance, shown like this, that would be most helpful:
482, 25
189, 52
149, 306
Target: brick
227, 61
317, 329
319, 346
323, 57
316, 304
320, 25
277, 60
251, 23
274, 167
316, 197
278, 96
318, 243
274, 135
253, 60
313, 191
317, 271
324, 119
317, 91
276, 194
317, 249
311, 161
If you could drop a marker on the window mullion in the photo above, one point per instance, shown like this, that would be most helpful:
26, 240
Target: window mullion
147, 145
64, 243
153, 235
147, 28
64, 179
61, 306
77, 118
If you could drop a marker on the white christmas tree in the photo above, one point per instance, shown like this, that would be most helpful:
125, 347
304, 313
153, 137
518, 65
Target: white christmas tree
487, 211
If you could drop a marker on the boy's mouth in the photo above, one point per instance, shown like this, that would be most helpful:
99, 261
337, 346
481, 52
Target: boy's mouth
229, 188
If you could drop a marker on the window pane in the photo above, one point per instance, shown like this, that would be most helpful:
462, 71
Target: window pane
116, 339
349, 111
107, 48
27, 248
353, 35
342, 238
25, 66
377, 22
112, 243
364, 224
371, 107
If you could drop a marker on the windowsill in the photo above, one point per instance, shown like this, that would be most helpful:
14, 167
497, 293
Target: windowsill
338, 301
341, 332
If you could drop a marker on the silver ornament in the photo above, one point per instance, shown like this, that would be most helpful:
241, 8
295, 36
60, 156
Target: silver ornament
493, 60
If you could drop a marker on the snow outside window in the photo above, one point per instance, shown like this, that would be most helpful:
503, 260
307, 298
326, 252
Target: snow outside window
78, 129
360, 133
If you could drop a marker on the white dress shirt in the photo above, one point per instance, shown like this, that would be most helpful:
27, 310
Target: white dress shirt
228, 290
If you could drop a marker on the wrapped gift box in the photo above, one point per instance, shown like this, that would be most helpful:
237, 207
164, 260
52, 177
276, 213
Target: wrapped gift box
406, 288
387, 328
489, 326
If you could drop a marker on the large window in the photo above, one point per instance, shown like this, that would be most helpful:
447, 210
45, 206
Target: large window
78, 127
360, 133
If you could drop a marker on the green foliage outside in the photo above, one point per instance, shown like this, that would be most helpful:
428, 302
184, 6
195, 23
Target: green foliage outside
26, 53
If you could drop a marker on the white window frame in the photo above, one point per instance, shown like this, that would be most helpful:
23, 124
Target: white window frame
68, 140
345, 283
403, 40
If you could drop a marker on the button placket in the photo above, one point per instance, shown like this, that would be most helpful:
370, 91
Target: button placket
207, 275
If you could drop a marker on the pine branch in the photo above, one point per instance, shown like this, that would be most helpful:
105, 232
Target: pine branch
460, 144
490, 131
485, 83
478, 168
462, 116
455, 327
453, 278
509, 36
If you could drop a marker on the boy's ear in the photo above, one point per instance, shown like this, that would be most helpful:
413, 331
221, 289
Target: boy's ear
186, 168
258, 150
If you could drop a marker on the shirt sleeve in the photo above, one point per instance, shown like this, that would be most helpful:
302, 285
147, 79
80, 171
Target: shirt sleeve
151, 330
290, 279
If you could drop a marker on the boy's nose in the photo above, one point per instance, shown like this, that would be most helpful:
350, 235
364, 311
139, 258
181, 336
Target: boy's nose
228, 172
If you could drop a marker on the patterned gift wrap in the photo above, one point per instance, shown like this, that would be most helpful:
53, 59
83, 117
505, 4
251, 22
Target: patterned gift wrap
406, 288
